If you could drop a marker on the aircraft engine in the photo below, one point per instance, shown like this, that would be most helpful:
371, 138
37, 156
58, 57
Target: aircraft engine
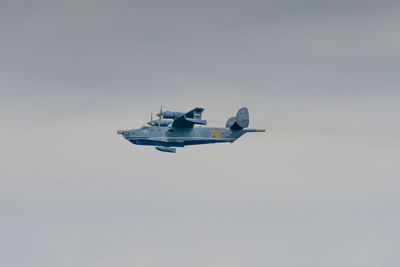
163, 123
170, 114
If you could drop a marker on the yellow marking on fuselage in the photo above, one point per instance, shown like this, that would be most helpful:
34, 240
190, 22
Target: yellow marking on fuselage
215, 133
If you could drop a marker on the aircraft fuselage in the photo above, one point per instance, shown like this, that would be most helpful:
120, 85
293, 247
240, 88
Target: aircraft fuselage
179, 137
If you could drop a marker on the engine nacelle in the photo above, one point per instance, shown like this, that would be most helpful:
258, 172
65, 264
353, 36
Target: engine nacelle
170, 114
162, 123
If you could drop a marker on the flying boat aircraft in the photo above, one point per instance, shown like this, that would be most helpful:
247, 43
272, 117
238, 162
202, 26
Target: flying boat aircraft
176, 129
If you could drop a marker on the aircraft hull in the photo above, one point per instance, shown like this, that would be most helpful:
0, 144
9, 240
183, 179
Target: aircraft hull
170, 137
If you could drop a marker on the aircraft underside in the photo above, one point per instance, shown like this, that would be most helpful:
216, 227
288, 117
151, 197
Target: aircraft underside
146, 142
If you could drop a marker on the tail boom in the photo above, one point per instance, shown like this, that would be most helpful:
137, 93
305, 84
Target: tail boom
253, 130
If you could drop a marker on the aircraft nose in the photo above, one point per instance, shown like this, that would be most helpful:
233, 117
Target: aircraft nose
120, 132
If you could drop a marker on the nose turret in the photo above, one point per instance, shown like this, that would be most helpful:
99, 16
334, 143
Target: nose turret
120, 132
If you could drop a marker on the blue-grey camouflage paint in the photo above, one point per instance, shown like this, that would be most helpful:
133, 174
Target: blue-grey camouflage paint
181, 132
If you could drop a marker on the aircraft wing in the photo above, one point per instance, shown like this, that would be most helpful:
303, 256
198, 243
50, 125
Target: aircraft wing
189, 119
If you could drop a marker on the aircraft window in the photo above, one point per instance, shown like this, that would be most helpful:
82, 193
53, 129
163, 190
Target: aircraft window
171, 130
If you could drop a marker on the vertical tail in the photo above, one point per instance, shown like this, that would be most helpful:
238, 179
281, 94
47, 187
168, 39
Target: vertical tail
240, 121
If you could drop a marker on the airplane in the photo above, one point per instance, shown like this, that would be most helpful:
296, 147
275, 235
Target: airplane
176, 129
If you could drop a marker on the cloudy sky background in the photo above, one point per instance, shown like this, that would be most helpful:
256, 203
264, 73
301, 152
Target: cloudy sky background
320, 188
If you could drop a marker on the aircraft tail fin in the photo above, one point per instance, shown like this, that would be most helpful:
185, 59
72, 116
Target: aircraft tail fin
240, 121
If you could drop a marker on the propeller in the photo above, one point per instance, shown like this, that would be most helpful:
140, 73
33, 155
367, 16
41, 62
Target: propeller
151, 120
160, 117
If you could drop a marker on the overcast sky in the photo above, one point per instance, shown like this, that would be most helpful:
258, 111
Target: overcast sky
319, 188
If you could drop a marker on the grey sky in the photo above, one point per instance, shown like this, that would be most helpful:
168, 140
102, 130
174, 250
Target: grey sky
319, 189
